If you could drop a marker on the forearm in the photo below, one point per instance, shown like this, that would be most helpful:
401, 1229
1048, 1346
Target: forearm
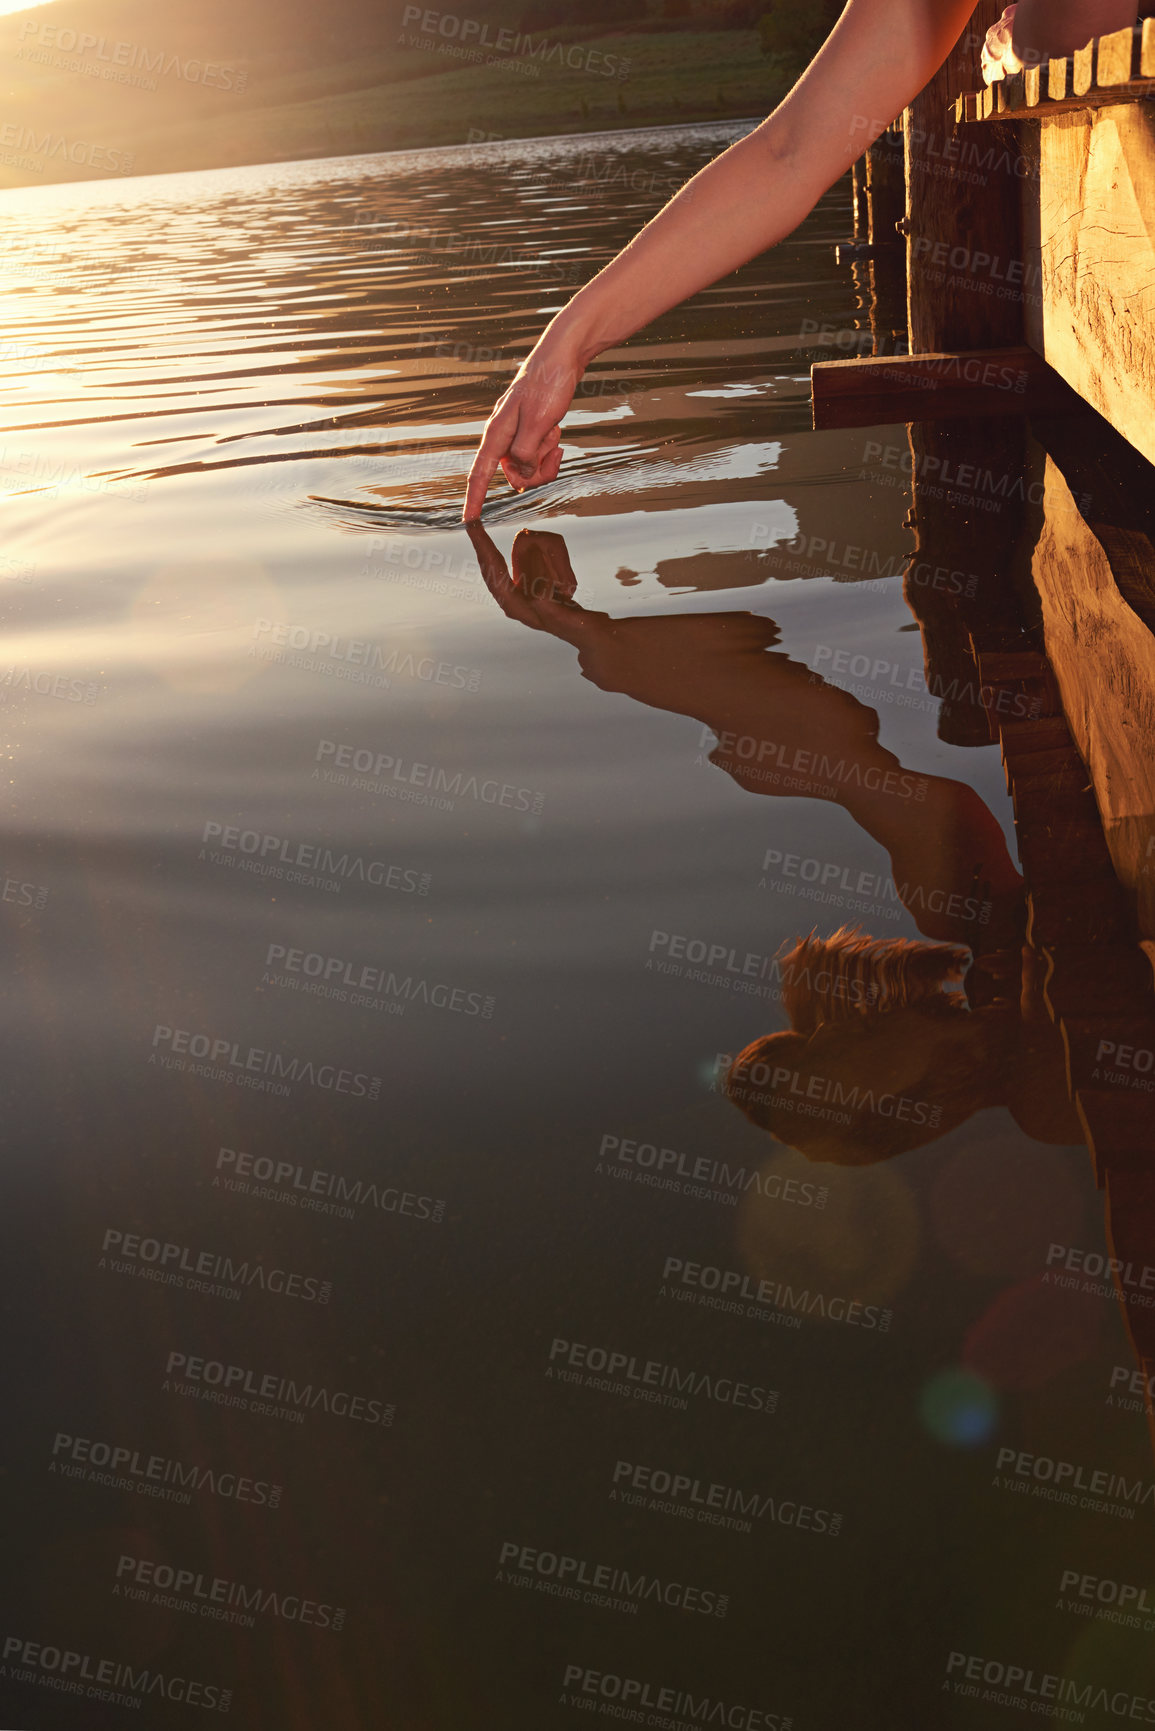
735, 208
879, 56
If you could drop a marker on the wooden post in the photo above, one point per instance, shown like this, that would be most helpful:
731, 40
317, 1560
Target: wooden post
858, 198
886, 205
962, 212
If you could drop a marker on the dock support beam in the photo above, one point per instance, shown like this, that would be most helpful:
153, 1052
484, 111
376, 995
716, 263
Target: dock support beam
961, 215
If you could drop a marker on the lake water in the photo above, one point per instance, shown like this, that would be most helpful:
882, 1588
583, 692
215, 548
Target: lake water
407, 1330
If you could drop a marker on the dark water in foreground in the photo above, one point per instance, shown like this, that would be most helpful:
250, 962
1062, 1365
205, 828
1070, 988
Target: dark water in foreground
404, 1330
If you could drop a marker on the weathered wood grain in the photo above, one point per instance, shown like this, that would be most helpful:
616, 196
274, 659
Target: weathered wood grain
1103, 658
1089, 251
1117, 56
1147, 49
946, 309
1083, 69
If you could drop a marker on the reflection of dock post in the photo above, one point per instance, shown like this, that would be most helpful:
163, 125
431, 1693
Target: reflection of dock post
960, 577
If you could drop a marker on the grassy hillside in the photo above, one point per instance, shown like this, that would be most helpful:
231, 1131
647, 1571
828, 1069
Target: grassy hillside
99, 87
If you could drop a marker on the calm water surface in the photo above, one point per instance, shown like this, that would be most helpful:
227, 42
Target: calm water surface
375, 926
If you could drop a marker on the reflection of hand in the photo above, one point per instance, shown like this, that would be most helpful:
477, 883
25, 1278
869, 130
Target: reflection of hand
523, 433
670, 662
998, 57
540, 592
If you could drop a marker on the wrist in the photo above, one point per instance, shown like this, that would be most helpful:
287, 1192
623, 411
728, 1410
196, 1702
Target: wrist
572, 338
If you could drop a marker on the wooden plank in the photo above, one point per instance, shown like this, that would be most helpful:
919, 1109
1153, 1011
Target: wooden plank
1010, 94
1147, 49
1132, 560
1136, 90
1059, 80
1117, 57
1089, 257
1042, 734
1061, 760
872, 390
1104, 661
996, 666
1083, 69
1118, 67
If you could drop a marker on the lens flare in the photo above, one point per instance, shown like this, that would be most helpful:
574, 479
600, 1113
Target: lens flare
959, 1408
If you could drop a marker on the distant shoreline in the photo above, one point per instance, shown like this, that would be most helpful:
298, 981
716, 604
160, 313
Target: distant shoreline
115, 182
399, 100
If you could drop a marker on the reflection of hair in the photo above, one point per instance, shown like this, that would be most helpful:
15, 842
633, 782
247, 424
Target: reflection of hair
833, 989
853, 974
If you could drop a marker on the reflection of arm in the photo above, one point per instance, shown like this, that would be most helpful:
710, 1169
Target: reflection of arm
878, 57
780, 728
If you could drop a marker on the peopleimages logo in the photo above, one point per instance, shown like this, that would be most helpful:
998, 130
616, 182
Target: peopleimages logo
228, 1061
1102, 1276
738, 1291
650, 1379
1140, 1388
268, 853
699, 1176
831, 881
124, 1468
213, 1595
367, 985
1021, 1686
813, 772
234, 1385
285, 1181
174, 1261
719, 964
425, 783
892, 679
115, 61
831, 1094
631, 1694
475, 34
1072, 1484
109, 1680
575, 1578
1113, 1601
719, 1505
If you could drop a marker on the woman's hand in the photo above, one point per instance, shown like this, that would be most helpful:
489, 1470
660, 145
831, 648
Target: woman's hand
1032, 31
998, 59
523, 434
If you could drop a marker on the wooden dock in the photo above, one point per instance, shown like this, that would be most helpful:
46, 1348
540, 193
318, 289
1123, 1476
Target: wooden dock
1030, 302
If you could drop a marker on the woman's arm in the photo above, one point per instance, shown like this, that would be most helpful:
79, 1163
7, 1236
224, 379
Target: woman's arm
878, 57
